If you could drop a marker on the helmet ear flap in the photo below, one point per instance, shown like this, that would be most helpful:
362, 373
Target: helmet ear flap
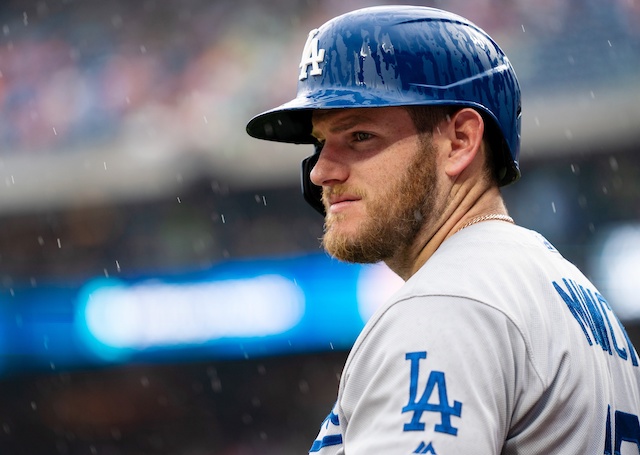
312, 193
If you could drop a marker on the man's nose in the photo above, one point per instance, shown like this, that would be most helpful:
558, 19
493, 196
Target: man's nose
330, 168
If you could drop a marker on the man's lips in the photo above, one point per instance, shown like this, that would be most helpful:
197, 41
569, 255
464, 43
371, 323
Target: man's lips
339, 202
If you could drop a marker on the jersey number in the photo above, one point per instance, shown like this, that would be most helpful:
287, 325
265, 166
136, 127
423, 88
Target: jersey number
627, 429
424, 404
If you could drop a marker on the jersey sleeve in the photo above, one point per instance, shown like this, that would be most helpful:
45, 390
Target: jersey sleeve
435, 375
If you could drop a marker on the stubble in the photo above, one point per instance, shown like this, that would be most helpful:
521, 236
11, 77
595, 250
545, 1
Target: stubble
393, 219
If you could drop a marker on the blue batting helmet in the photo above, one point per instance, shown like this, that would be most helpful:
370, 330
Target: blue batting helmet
400, 56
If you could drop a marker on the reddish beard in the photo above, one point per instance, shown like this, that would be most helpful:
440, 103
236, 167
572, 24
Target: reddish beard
393, 219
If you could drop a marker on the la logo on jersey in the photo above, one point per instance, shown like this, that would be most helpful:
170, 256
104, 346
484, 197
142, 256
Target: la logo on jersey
419, 405
311, 56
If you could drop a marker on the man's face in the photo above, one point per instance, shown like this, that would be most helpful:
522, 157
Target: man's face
378, 178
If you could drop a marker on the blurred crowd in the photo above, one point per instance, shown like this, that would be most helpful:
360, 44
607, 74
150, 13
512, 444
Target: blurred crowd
270, 406
76, 73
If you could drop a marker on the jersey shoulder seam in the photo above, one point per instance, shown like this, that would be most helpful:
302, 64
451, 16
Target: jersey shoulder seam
379, 316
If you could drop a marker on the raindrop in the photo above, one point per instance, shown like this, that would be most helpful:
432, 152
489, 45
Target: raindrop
592, 228
255, 402
553, 206
34, 406
609, 42
116, 21
593, 95
55, 133
33, 282
25, 19
575, 169
216, 385
12, 292
104, 164
106, 273
262, 370
605, 190
247, 419
59, 242
582, 201
118, 266
537, 121
5, 30
304, 386
144, 381
260, 199
614, 164
143, 49
6, 428
178, 199
40, 240
331, 346
571, 60
222, 218
52, 365
206, 121
523, 30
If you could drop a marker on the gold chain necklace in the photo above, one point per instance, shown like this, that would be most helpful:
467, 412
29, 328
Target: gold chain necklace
491, 216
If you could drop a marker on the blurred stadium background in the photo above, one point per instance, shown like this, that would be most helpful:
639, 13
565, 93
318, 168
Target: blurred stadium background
162, 288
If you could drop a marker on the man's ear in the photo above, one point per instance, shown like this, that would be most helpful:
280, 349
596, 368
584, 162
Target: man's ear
464, 132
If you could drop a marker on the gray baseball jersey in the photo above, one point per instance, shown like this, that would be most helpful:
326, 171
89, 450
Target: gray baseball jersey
497, 345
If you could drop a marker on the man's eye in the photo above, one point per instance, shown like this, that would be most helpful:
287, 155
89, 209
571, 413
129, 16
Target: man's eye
359, 136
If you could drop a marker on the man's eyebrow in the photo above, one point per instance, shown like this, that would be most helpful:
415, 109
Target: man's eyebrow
344, 124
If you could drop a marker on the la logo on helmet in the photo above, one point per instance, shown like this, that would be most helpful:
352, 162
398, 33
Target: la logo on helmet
311, 55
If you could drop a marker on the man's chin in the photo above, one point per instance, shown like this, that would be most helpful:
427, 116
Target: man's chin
347, 247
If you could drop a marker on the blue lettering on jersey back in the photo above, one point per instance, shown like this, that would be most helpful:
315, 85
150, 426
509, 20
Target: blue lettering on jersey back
594, 315
421, 405
627, 429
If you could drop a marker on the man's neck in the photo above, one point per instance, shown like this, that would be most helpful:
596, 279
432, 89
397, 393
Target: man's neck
462, 207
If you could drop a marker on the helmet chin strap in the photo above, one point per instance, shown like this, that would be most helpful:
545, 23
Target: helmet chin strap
312, 193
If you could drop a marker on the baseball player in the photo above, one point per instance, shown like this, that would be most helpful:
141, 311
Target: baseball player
495, 344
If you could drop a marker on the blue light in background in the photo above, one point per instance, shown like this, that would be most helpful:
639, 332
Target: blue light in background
235, 309
617, 269
154, 314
